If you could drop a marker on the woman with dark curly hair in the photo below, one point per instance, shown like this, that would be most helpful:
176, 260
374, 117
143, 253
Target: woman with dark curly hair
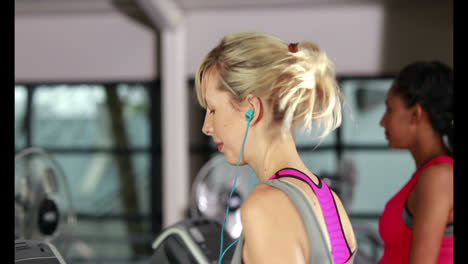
417, 223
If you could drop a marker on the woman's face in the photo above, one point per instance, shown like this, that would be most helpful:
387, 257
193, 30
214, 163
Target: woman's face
396, 121
223, 122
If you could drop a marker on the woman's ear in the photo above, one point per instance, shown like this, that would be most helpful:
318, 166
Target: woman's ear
255, 103
417, 113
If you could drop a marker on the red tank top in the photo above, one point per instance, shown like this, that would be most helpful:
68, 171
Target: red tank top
396, 235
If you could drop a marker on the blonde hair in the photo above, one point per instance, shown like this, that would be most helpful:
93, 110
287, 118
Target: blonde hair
300, 85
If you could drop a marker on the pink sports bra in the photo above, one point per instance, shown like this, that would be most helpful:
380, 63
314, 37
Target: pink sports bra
340, 248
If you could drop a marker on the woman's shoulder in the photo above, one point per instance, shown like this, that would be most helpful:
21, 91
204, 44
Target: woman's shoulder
263, 199
436, 178
437, 174
266, 202
434, 181
267, 214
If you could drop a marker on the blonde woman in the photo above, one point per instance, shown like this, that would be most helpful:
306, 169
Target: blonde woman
291, 216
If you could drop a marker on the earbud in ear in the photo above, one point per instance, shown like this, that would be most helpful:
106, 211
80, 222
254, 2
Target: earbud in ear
249, 114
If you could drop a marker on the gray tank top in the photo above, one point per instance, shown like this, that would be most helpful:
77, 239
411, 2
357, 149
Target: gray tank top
319, 252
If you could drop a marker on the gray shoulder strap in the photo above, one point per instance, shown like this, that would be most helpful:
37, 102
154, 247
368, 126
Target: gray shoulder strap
317, 242
319, 251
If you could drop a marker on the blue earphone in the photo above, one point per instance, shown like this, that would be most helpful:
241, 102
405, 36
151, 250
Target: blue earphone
248, 117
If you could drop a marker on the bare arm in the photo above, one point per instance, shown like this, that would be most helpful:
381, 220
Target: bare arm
266, 217
431, 204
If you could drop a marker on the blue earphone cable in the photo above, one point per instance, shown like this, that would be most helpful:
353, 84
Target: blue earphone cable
252, 183
221, 253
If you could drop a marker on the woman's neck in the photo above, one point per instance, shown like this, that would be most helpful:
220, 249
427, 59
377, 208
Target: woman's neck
427, 148
275, 153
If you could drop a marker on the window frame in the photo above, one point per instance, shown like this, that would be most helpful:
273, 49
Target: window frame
154, 218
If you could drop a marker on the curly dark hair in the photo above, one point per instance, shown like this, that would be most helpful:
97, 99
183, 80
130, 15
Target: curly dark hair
431, 85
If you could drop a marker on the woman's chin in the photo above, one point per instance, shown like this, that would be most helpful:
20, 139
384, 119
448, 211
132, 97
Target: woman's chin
233, 160
395, 146
230, 160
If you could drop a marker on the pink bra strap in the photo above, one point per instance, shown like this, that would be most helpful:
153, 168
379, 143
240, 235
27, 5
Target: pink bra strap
438, 159
340, 249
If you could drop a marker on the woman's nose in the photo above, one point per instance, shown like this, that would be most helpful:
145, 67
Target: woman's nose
382, 120
207, 128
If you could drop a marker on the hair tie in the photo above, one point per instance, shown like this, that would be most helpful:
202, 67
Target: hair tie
293, 47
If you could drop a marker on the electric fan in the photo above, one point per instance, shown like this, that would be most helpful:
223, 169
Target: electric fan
43, 205
197, 239
211, 189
